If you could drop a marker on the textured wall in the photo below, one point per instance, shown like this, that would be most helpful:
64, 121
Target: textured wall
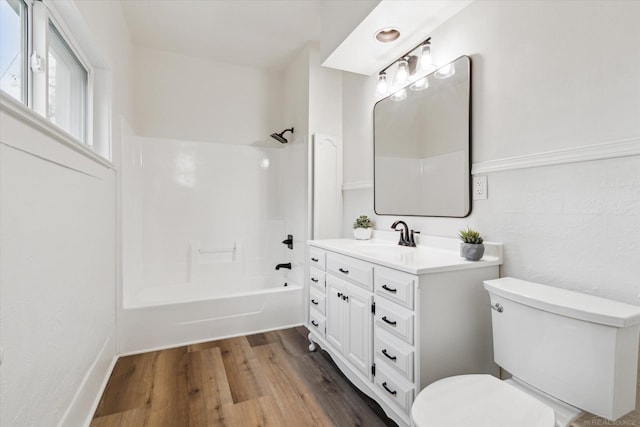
538, 87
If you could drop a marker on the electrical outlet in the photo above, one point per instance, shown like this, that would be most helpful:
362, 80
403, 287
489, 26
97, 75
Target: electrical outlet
480, 187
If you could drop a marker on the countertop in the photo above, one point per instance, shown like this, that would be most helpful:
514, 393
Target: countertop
433, 254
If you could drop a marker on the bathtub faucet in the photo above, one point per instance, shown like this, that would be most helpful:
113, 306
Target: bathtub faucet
287, 265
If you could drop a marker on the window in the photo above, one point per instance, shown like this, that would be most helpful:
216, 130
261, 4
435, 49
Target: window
13, 20
41, 67
66, 86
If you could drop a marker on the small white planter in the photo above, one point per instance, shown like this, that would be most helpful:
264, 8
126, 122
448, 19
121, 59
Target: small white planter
362, 233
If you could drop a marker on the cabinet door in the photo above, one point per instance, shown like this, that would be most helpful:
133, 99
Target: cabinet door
359, 323
335, 312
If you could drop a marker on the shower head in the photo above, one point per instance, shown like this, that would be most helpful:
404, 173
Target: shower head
278, 136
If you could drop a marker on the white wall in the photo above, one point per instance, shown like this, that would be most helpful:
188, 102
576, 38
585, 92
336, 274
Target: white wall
193, 99
545, 76
58, 227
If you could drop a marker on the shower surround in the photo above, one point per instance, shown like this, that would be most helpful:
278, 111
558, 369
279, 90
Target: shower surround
202, 230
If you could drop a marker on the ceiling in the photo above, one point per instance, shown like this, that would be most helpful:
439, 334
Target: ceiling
268, 33
361, 53
260, 33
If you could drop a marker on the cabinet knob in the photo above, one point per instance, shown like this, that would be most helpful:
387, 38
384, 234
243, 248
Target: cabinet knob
314, 280
339, 294
314, 302
314, 323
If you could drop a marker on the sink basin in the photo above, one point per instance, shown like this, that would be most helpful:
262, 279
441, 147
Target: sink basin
382, 249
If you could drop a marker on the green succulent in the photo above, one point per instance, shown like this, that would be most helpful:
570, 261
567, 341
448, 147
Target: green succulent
363, 221
470, 236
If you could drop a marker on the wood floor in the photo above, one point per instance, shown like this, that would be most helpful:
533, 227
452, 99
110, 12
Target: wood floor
268, 379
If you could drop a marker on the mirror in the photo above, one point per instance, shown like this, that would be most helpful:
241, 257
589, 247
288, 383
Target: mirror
422, 148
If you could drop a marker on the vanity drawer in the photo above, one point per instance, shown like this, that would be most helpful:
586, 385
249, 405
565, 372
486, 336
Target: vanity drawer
394, 285
395, 389
317, 257
317, 300
392, 352
395, 319
354, 270
316, 278
316, 322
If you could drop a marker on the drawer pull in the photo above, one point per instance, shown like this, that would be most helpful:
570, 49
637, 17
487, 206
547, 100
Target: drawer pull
392, 323
315, 259
314, 323
393, 392
343, 271
384, 351
314, 280
386, 288
314, 302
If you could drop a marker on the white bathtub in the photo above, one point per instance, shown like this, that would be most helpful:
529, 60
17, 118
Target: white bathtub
168, 316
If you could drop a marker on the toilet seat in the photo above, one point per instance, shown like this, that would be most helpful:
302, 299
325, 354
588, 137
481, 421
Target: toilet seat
478, 401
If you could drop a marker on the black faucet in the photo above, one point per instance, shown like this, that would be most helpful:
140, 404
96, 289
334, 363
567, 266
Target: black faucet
286, 265
289, 241
406, 237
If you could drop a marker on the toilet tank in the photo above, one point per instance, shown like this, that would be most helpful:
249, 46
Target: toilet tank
576, 347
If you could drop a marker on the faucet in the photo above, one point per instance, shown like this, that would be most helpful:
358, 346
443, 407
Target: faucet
407, 237
286, 265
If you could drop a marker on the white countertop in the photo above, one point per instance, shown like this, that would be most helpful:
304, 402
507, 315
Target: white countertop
433, 254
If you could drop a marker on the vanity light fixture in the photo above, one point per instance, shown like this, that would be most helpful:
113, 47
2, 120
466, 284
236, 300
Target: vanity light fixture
382, 86
417, 61
399, 95
420, 84
445, 71
402, 73
425, 63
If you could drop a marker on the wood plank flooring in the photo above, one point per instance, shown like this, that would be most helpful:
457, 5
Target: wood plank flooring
267, 379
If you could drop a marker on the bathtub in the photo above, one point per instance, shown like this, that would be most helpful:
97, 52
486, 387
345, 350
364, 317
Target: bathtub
173, 315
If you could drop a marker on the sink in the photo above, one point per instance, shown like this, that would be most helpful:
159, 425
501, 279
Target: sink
382, 249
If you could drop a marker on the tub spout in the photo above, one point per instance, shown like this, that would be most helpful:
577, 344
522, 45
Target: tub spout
286, 265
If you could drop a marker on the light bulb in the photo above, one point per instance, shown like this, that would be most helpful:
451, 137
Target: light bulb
402, 73
445, 71
420, 84
382, 86
426, 64
399, 95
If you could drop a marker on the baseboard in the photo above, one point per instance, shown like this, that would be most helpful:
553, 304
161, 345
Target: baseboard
85, 401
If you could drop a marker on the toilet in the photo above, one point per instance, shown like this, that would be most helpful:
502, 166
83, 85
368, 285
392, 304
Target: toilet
568, 352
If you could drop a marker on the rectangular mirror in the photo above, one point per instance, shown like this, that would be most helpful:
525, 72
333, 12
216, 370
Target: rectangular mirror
422, 147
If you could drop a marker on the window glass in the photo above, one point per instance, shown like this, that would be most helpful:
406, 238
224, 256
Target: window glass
12, 46
67, 86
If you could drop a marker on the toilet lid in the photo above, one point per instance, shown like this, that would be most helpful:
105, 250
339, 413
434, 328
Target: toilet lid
478, 401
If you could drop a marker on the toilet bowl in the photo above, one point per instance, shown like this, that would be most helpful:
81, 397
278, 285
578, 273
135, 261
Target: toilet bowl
568, 352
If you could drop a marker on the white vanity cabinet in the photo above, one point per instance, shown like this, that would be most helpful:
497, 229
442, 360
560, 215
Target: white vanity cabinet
394, 323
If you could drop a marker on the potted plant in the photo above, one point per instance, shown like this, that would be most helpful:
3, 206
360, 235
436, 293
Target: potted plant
363, 227
471, 247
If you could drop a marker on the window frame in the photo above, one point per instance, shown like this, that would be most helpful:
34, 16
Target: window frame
39, 13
